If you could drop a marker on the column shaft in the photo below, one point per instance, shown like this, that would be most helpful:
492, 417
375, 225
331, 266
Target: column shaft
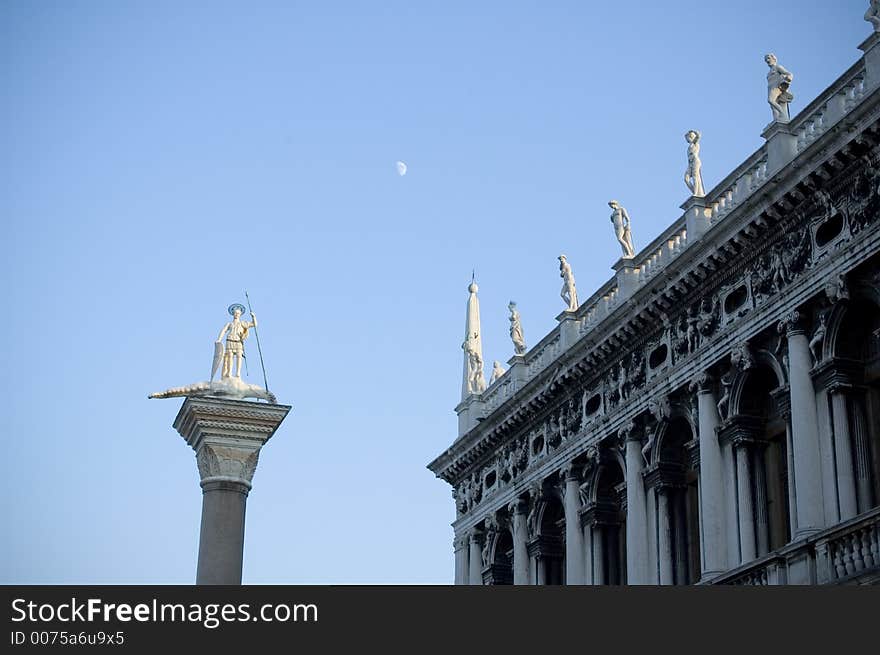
520, 549
221, 538
846, 486
862, 455
805, 435
636, 518
475, 576
461, 561
574, 547
665, 536
746, 510
587, 532
711, 489
598, 555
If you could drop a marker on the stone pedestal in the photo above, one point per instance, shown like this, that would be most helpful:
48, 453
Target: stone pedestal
872, 61
696, 211
470, 411
627, 277
227, 436
781, 146
568, 328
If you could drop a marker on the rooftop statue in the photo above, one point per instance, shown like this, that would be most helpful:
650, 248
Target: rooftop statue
569, 291
497, 371
516, 331
778, 83
620, 220
229, 385
873, 14
693, 176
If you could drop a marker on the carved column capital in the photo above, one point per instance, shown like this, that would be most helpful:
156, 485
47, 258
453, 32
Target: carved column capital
629, 432
792, 324
227, 436
702, 383
518, 506
569, 472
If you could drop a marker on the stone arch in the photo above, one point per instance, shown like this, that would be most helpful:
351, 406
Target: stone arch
741, 386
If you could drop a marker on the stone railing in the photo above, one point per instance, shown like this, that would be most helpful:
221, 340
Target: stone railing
736, 187
843, 553
654, 258
849, 551
832, 105
539, 357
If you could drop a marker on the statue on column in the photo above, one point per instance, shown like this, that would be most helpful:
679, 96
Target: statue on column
569, 291
230, 384
516, 331
873, 14
778, 83
620, 221
693, 176
236, 331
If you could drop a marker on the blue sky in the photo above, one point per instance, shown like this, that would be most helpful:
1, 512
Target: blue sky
159, 158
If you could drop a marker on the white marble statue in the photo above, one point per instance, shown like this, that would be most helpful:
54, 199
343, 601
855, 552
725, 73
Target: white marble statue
236, 331
229, 385
778, 94
620, 220
693, 176
476, 383
497, 371
569, 291
516, 331
873, 14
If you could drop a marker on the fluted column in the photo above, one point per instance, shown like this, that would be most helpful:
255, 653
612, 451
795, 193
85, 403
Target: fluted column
862, 455
805, 431
475, 564
762, 520
665, 535
746, 509
598, 555
710, 479
227, 437
460, 546
574, 546
520, 538
846, 486
636, 513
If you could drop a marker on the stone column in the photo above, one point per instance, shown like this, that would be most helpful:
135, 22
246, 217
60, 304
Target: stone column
574, 546
598, 555
520, 539
762, 520
805, 431
846, 487
636, 513
710, 480
475, 558
665, 535
746, 509
227, 436
862, 458
587, 532
460, 545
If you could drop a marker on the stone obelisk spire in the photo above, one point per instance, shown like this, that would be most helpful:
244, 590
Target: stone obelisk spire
473, 380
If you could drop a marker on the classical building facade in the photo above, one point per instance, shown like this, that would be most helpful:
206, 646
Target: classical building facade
712, 413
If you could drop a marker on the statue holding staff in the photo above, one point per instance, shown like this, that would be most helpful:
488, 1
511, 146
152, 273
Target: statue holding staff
620, 221
693, 176
236, 331
230, 384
